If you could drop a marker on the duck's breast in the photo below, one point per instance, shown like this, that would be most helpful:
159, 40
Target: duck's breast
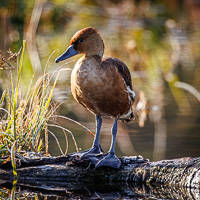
99, 87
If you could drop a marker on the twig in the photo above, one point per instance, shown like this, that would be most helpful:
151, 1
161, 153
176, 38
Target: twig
188, 88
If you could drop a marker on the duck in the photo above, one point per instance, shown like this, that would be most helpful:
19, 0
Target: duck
101, 85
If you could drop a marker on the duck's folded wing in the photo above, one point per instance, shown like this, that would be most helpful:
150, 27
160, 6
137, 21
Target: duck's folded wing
123, 71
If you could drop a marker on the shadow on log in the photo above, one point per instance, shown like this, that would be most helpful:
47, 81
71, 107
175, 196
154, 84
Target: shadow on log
137, 177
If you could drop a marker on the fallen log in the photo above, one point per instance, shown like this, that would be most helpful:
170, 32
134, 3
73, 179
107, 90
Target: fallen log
70, 173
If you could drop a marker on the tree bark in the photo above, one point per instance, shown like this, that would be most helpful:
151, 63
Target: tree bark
178, 178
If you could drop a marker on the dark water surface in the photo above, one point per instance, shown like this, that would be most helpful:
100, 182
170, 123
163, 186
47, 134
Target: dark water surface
160, 43
180, 139
101, 192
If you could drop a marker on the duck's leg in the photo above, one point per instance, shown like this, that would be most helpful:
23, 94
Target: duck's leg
96, 148
111, 159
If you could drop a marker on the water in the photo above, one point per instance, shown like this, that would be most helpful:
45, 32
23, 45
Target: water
182, 137
159, 42
89, 191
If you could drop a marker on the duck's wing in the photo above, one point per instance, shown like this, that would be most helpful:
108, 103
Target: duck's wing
123, 71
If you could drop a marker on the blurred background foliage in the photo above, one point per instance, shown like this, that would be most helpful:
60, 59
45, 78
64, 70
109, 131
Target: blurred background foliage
159, 40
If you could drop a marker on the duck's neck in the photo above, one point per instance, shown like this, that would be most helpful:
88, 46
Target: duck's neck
100, 53
100, 49
97, 49
90, 62
96, 57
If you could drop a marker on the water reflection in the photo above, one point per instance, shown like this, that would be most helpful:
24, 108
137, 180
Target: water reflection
90, 191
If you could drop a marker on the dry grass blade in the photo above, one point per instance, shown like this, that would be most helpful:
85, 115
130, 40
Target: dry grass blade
25, 118
5, 111
13, 160
56, 142
67, 130
69, 119
66, 142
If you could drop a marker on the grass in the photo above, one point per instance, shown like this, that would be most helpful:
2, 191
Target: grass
24, 118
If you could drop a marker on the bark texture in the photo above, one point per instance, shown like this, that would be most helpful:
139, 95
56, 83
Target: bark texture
178, 178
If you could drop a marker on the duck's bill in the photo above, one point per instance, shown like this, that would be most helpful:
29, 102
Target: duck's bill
68, 54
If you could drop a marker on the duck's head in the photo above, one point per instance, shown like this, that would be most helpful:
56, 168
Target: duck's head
86, 41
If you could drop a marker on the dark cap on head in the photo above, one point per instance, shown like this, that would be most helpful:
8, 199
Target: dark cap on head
83, 34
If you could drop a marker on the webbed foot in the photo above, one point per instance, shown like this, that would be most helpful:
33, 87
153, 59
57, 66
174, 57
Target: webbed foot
94, 151
110, 160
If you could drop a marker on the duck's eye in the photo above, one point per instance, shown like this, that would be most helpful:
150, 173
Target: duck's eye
81, 40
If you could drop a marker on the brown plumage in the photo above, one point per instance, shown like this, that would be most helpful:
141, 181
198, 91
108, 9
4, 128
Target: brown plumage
103, 86
122, 69
99, 84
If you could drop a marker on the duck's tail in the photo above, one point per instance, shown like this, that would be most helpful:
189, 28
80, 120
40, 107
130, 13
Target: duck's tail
138, 110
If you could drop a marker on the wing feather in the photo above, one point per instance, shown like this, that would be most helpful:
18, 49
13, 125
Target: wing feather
123, 71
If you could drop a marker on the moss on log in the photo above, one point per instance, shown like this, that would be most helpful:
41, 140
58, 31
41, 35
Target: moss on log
70, 173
